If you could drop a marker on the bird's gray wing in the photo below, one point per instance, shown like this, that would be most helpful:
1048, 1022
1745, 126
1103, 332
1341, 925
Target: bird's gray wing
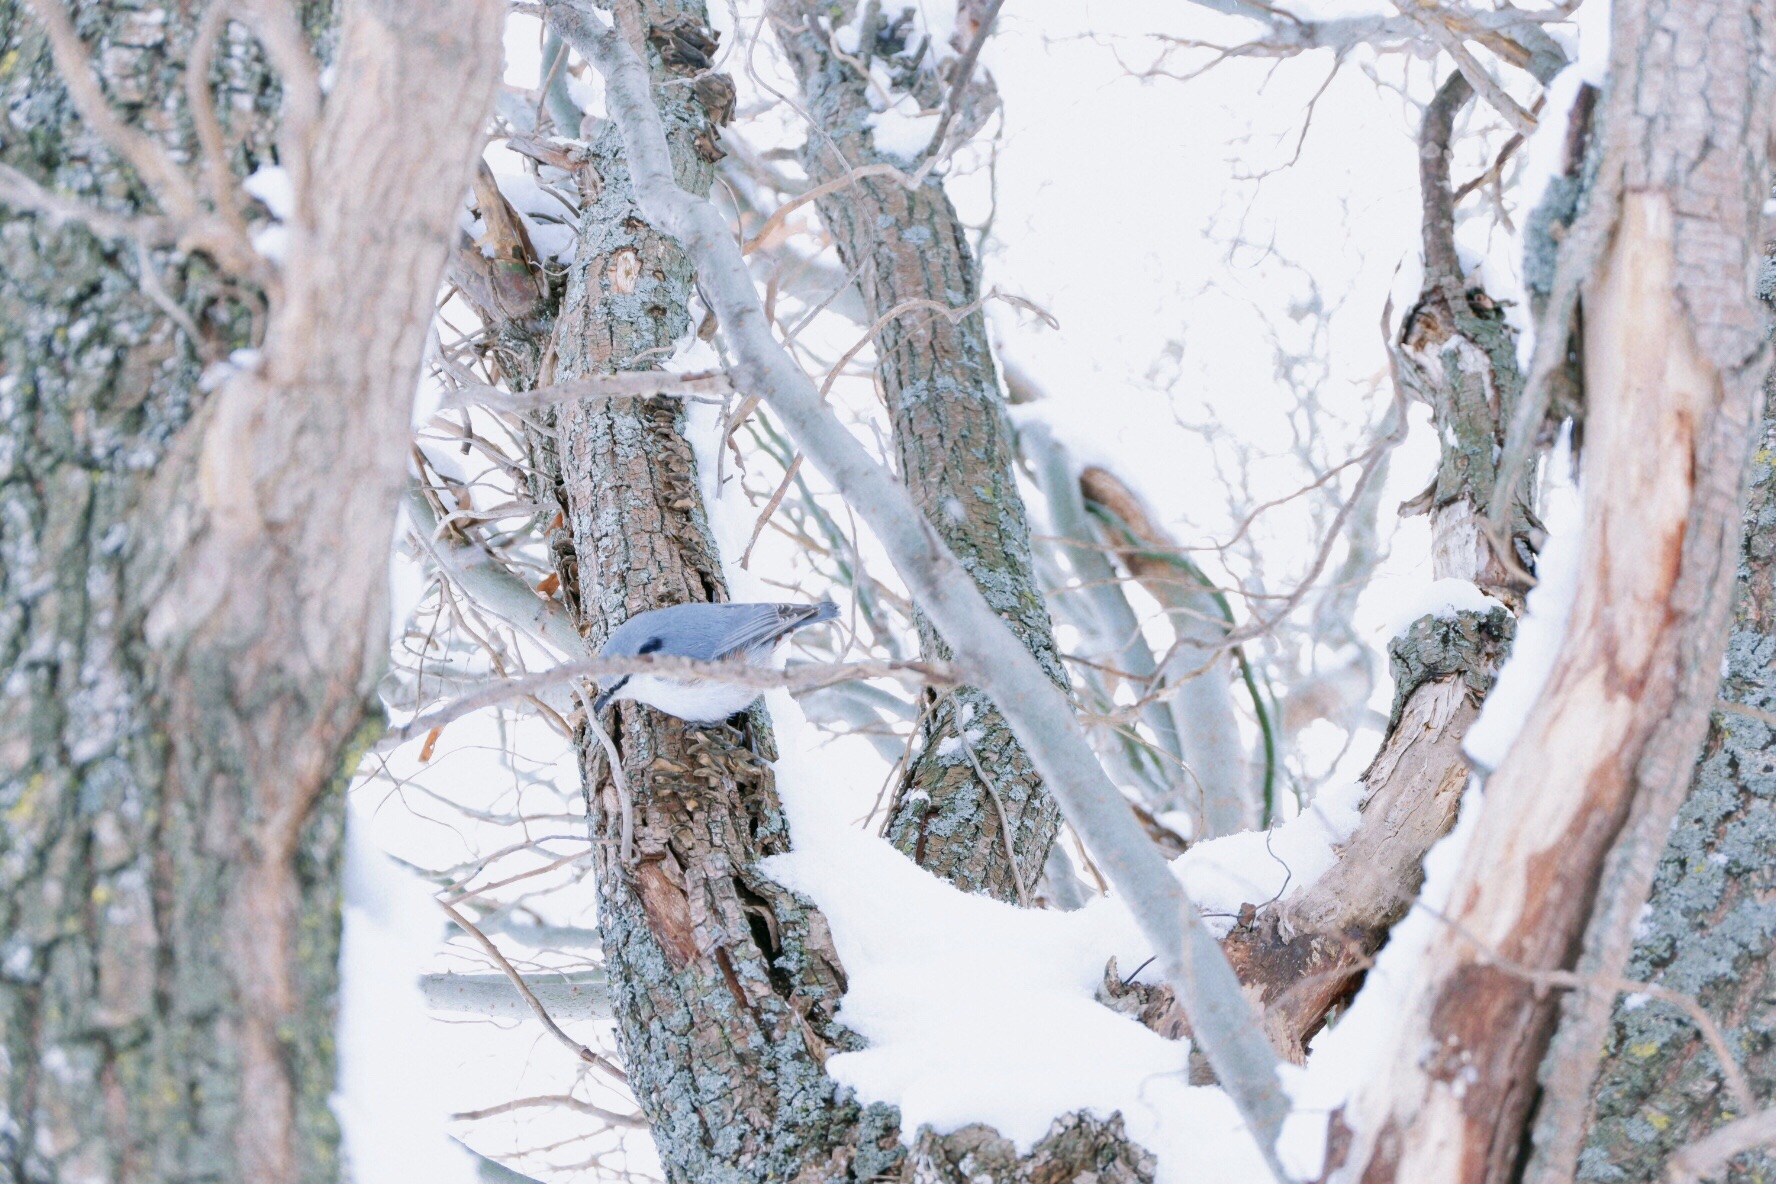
762, 624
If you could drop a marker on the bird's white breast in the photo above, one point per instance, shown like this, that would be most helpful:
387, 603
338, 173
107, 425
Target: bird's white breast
697, 702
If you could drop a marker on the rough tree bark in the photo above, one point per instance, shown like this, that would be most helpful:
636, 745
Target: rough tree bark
1672, 346
1457, 355
723, 983
985, 647
193, 568
1710, 929
953, 443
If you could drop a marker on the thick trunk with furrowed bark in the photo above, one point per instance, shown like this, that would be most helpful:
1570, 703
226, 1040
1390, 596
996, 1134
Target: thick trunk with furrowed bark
724, 983
120, 1015
192, 580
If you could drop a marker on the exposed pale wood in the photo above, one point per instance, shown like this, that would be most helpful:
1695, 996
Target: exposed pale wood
1673, 352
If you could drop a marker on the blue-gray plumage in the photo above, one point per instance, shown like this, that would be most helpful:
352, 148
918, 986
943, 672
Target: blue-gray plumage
747, 633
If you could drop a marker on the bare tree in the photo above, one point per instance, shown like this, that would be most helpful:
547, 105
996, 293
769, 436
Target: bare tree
224, 269
903, 241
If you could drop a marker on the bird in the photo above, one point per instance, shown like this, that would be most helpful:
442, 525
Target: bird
749, 633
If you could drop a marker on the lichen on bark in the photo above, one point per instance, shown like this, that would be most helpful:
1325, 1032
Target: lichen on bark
1710, 924
115, 1012
724, 983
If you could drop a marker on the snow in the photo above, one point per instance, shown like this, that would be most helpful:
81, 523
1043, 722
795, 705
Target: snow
390, 1102
904, 129
975, 1011
547, 218
935, 19
587, 92
1543, 626
947, 988
1256, 867
272, 186
1440, 598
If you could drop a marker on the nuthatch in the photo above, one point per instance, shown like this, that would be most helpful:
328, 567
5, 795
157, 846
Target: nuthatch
747, 633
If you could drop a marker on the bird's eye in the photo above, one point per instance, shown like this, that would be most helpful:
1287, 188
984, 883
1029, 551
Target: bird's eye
651, 645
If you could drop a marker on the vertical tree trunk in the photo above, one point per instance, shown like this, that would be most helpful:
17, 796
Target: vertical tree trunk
194, 570
954, 450
1673, 352
1709, 930
724, 983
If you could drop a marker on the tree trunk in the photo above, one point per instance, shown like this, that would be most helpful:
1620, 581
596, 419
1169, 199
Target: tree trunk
1672, 352
954, 450
724, 983
1709, 932
193, 570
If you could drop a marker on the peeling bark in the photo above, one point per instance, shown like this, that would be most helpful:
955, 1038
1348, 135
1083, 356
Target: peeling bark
1710, 928
723, 983
1308, 954
1457, 354
1673, 351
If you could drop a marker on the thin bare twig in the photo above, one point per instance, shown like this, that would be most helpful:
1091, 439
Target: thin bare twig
1017, 873
556, 1101
852, 177
536, 1007
758, 527
702, 386
799, 678
1708, 1155
964, 71
1521, 121
1568, 980
990, 655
